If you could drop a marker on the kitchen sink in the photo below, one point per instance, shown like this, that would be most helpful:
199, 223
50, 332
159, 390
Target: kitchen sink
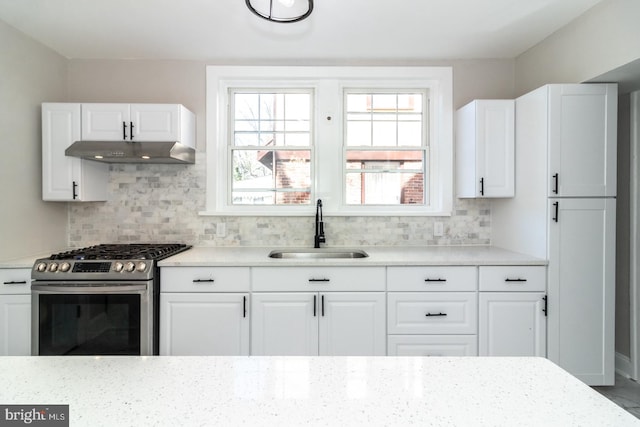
318, 253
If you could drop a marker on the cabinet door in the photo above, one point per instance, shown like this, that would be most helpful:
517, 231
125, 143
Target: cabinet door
582, 140
155, 122
196, 324
60, 128
485, 140
582, 288
512, 324
15, 325
106, 122
495, 130
352, 324
284, 324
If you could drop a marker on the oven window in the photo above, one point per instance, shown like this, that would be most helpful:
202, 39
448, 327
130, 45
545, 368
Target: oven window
89, 324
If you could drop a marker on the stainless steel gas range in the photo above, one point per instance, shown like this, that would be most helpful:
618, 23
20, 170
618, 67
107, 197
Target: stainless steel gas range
99, 300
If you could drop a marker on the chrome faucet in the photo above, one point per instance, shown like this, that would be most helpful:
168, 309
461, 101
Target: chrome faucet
319, 237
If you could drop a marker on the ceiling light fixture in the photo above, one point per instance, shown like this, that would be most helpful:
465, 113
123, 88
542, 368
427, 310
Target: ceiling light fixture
281, 10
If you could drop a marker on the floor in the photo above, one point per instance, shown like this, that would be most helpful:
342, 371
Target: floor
626, 393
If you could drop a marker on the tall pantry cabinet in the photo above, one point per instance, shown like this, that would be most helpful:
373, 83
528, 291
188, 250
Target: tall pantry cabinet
564, 211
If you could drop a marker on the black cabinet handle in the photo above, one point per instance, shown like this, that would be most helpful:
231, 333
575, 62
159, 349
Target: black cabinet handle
556, 207
124, 131
435, 314
555, 183
13, 282
435, 280
322, 305
244, 306
544, 309
515, 280
203, 280
482, 186
131, 131
74, 187
319, 280
314, 306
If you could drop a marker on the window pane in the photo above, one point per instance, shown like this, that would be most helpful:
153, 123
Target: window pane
270, 117
409, 134
392, 119
254, 181
359, 133
377, 177
374, 188
252, 169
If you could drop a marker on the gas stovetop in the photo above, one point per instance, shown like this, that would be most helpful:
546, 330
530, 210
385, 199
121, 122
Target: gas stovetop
105, 262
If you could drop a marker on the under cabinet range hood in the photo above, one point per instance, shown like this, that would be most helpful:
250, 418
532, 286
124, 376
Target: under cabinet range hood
132, 152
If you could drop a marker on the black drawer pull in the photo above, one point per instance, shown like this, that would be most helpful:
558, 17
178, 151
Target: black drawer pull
435, 314
319, 280
13, 282
435, 280
515, 280
203, 280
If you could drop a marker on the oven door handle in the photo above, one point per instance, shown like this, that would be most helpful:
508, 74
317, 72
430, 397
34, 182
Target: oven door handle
76, 289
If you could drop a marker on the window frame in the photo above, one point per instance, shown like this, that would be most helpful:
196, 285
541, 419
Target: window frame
423, 147
329, 84
231, 147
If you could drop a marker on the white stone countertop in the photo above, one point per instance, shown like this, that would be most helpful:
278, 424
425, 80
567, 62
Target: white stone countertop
25, 261
378, 255
307, 391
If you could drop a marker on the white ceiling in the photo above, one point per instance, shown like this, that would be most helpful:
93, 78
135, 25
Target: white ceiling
337, 29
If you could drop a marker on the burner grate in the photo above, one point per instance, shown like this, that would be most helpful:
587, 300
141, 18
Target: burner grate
151, 251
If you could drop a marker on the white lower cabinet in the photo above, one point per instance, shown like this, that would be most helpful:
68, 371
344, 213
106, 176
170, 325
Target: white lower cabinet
318, 323
512, 311
512, 324
15, 312
352, 311
201, 324
432, 311
204, 311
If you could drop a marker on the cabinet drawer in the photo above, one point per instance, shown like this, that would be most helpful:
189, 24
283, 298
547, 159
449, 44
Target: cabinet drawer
513, 278
15, 281
204, 279
294, 279
432, 345
432, 313
431, 279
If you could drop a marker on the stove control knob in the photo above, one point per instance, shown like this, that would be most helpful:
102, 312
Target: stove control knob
129, 266
64, 267
53, 267
41, 267
142, 266
118, 266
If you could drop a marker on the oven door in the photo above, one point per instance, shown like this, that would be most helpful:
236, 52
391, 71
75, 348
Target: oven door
92, 318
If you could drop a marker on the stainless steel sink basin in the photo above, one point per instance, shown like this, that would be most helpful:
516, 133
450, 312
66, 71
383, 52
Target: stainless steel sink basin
318, 253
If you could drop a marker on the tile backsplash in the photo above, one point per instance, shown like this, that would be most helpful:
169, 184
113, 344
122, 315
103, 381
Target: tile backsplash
160, 203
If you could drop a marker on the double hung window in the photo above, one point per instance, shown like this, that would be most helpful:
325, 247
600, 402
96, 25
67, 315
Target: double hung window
365, 140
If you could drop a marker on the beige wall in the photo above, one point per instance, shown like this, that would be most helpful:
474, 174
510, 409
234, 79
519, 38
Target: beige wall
183, 82
29, 74
604, 38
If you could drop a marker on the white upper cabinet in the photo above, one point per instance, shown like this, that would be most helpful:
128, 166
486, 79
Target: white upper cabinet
582, 140
68, 178
485, 149
138, 122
